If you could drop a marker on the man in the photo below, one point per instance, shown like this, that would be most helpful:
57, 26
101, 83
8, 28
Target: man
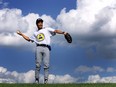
42, 39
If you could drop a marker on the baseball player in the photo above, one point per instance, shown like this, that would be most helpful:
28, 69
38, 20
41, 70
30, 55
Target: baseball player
42, 39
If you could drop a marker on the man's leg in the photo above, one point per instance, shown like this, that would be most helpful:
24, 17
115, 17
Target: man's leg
46, 73
46, 58
38, 61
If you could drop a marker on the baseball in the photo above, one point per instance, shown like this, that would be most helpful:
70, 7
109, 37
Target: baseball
18, 32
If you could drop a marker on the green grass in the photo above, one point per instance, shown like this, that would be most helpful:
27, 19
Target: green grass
59, 85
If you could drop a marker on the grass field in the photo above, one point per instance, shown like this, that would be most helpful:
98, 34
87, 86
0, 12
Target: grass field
60, 85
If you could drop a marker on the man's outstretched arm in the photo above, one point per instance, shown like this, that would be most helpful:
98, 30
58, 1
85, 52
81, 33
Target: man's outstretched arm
24, 36
59, 32
66, 35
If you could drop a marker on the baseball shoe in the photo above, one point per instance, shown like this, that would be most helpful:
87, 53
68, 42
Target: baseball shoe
36, 81
45, 81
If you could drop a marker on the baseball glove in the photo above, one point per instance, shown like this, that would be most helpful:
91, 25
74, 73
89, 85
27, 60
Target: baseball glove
68, 37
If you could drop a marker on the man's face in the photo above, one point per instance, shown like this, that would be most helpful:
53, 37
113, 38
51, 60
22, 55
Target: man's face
40, 25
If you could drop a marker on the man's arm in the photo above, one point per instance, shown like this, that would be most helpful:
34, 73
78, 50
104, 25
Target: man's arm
66, 35
24, 36
60, 32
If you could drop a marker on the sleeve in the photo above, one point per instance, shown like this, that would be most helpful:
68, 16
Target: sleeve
51, 30
32, 38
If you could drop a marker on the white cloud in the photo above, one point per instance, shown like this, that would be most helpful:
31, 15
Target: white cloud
12, 20
15, 77
93, 78
28, 77
96, 70
93, 69
92, 23
110, 69
62, 79
87, 16
98, 79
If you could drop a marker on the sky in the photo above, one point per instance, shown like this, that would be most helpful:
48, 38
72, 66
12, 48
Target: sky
89, 58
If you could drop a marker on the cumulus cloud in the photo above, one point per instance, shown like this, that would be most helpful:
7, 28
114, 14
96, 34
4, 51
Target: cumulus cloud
13, 19
94, 73
15, 77
92, 23
62, 79
98, 79
94, 69
29, 77
110, 69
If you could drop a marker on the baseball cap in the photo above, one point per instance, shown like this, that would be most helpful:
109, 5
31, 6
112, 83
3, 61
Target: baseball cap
39, 20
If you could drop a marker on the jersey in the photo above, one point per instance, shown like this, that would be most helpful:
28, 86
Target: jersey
43, 36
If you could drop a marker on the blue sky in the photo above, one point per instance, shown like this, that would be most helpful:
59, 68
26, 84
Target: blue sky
50, 7
92, 51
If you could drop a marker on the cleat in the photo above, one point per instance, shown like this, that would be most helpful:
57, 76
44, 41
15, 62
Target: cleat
36, 81
45, 81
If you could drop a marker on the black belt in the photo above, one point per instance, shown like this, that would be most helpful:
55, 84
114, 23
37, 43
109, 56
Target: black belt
45, 45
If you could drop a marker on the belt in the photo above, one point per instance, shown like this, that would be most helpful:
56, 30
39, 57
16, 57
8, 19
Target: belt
44, 45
